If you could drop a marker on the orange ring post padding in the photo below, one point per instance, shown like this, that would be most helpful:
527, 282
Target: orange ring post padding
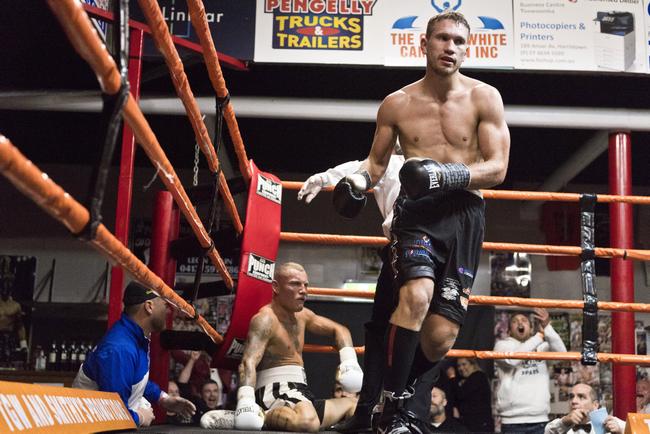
524, 195
165, 45
36, 185
200, 24
85, 40
542, 249
503, 301
573, 356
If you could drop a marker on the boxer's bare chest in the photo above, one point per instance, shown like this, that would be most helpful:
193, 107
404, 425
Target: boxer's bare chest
442, 130
286, 344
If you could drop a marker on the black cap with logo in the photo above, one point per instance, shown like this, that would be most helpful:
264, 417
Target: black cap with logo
135, 293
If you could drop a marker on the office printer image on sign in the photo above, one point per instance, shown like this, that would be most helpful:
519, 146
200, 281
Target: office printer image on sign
614, 40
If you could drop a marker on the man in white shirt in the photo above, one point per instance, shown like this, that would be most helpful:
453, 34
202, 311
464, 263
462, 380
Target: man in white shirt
584, 400
523, 397
643, 396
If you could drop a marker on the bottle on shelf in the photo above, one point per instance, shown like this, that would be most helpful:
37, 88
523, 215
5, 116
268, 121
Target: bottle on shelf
81, 357
89, 348
74, 357
64, 361
35, 365
52, 357
41, 360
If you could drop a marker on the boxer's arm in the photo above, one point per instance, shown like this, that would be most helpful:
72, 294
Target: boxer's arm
385, 136
493, 139
384, 139
322, 326
349, 373
259, 334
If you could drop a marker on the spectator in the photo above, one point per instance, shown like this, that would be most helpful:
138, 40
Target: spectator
210, 398
340, 392
643, 396
447, 383
474, 397
120, 362
523, 396
584, 400
439, 422
200, 372
173, 418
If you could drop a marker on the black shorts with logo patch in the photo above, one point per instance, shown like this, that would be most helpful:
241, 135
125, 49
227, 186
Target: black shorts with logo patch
439, 237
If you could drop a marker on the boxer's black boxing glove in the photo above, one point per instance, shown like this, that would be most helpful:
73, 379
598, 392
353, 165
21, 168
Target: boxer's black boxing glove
422, 177
347, 201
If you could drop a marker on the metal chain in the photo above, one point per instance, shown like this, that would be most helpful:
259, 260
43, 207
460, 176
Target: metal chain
195, 179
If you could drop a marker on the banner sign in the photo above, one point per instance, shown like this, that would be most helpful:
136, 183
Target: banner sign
232, 25
580, 35
562, 35
646, 39
318, 31
31, 408
375, 32
490, 43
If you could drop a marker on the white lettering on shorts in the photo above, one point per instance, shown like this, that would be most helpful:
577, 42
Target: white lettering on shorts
450, 289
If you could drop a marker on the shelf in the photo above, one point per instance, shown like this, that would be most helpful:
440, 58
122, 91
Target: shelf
78, 311
40, 377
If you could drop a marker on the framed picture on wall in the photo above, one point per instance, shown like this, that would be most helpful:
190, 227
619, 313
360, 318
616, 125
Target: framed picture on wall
17, 277
510, 274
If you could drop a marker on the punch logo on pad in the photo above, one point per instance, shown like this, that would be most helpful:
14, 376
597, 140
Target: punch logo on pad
269, 189
236, 350
260, 268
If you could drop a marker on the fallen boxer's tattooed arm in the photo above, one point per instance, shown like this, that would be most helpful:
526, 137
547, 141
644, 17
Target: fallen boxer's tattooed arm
259, 334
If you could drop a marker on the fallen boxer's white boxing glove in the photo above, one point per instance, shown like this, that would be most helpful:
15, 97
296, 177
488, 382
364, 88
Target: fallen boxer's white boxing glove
349, 373
218, 419
248, 415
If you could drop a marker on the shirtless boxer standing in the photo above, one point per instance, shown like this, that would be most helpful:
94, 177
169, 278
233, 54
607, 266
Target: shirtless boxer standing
271, 374
454, 136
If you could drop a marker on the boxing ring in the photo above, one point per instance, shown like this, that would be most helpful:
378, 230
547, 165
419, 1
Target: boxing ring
261, 232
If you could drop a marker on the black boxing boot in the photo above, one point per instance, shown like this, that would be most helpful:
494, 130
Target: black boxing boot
396, 418
358, 423
393, 419
424, 375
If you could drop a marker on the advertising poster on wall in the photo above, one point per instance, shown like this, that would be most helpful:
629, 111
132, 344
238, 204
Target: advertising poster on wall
231, 22
318, 31
490, 43
580, 35
646, 40
376, 32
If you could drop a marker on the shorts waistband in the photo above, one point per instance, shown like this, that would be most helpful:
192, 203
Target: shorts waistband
288, 373
470, 195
